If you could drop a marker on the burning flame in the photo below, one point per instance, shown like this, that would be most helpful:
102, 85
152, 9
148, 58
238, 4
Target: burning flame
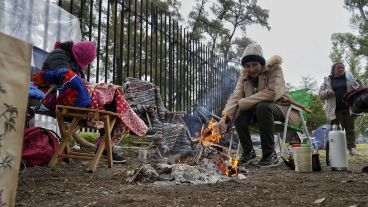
229, 167
213, 134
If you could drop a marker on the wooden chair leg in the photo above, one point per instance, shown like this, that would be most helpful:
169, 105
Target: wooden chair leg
60, 149
65, 136
109, 122
107, 140
67, 151
97, 157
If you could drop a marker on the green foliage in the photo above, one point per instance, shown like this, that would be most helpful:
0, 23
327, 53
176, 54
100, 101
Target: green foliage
127, 139
318, 116
361, 125
221, 19
353, 48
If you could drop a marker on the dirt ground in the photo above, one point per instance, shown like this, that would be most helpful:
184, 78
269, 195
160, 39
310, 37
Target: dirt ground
71, 185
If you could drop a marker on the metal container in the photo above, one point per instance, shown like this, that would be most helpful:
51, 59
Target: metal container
337, 148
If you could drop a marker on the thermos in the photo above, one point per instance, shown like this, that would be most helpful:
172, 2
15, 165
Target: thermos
337, 149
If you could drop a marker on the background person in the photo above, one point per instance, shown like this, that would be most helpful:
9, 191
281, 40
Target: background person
334, 87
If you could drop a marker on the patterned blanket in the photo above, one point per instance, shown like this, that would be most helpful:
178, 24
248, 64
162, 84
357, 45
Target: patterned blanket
172, 135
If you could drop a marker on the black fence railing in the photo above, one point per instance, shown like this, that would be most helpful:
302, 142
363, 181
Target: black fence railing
135, 38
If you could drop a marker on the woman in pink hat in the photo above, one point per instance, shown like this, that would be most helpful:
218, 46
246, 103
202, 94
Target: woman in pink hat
69, 55
69, 60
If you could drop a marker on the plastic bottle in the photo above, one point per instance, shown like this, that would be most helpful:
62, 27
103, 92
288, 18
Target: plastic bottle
352, 80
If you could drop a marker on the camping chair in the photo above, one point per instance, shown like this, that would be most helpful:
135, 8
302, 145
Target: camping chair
172, 135
300, 101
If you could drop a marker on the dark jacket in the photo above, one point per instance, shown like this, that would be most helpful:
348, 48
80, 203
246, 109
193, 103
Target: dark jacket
62, 57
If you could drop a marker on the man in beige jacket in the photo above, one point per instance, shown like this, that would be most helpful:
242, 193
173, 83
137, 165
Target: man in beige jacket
260, 95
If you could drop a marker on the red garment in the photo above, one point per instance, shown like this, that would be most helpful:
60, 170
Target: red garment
102, 94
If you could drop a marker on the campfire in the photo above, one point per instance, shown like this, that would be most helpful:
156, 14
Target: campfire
213, 158
210, 137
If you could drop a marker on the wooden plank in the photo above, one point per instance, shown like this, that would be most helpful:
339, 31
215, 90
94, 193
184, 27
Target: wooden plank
82, 154
77, 157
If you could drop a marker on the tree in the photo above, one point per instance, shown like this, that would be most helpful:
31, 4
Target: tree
318, 116
310, 83
349, 47
229, 16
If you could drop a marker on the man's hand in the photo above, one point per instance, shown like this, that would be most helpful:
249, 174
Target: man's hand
221, 126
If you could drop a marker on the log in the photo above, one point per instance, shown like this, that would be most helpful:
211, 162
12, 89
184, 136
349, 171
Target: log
82, 142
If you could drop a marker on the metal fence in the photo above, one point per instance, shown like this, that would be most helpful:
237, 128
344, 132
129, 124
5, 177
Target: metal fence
136, 38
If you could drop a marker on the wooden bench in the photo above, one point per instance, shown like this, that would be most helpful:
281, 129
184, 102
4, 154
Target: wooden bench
76, 115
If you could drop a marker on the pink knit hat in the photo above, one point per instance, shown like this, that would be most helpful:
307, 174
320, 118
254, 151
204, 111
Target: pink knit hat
84, 53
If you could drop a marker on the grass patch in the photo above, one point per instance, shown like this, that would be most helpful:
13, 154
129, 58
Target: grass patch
127, 139
90, 136
362, 147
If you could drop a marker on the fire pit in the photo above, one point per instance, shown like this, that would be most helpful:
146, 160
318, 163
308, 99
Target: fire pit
209, 161
223, 157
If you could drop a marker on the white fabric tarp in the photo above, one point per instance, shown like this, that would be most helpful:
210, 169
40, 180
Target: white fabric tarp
39, 22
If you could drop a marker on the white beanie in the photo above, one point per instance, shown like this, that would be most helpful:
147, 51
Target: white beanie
253, 52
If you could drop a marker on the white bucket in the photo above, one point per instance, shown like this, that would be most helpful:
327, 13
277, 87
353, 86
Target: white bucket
303, 159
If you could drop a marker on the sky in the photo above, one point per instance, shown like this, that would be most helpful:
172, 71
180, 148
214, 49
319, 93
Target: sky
300, 33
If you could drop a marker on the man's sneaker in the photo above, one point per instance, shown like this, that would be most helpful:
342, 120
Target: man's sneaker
354, 152
248, 158
117, 157
269, 160
151, 133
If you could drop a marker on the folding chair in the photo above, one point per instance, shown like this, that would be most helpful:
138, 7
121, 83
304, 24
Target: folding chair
76, 115
300, 100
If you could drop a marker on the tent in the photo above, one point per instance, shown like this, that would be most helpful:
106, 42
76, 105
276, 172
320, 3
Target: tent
318, 136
